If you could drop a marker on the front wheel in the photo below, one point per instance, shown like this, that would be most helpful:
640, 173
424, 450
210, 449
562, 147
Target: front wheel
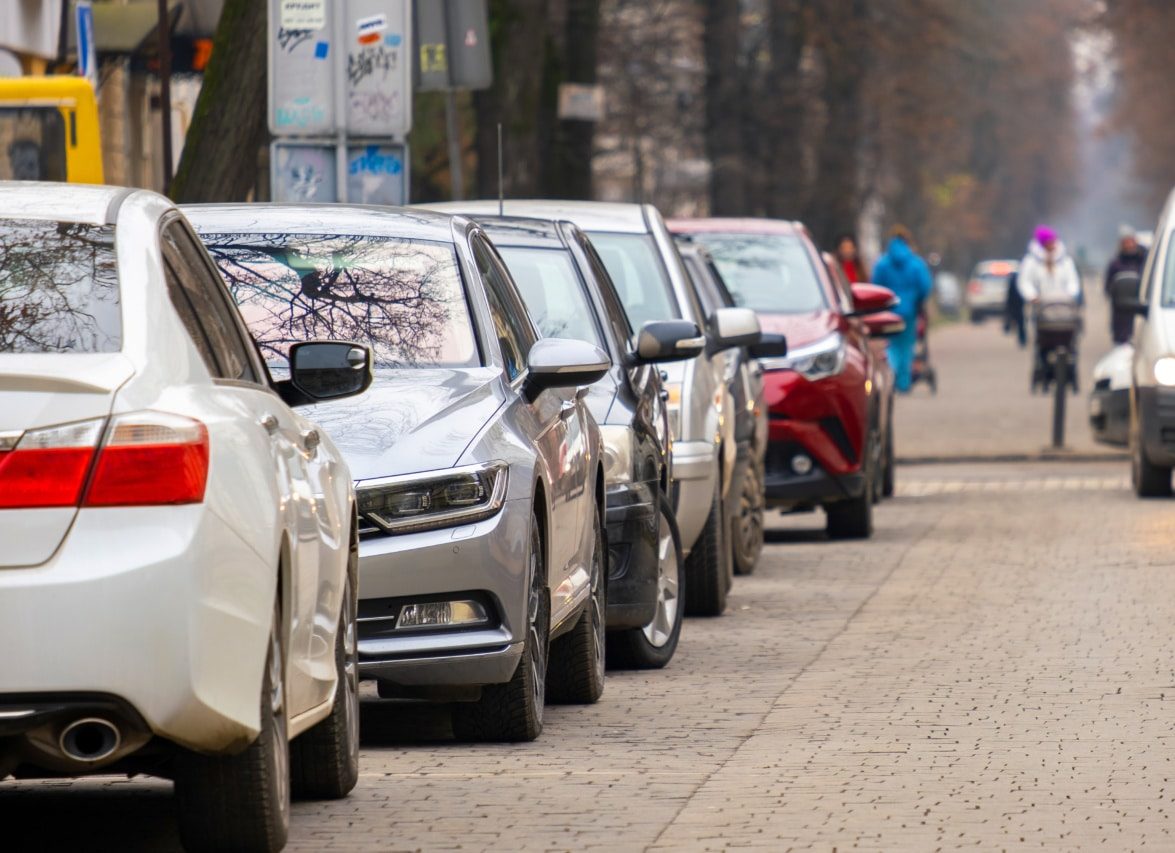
242, 801
746, 530
1150, 480
513, 711
888, 476
652, 646
853, 518
575, 673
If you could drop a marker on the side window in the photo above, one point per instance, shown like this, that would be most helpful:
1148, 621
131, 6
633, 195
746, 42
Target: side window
203, 304
511, 324
617, 317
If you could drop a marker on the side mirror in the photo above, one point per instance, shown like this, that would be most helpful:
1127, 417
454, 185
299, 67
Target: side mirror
769, 346
668, 340
564, 363
884, 324
733, 327
1134, 306
872, 299
326, 370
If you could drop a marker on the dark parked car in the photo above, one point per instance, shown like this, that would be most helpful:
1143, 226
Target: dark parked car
569, 293
744, 382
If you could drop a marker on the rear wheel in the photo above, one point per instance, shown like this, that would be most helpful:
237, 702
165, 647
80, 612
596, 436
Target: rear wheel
746, 530
513, 711
707, 568
575, 673
325, 760
652, 646
242, 801
889, 474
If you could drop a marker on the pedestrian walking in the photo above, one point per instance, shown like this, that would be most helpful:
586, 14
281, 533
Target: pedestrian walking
1014, 310
1131, 258
907, 275
848, 255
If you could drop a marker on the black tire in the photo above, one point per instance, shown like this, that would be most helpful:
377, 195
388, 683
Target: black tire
889, 473
746, 522
853, 518
575, 669
1149, 480
653, 646
707, 568
513, 711
241, 802
324, 761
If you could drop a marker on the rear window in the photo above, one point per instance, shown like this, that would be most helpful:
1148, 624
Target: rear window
403, 297
32, 144
58, 288
553, 293
633, 262
772, 273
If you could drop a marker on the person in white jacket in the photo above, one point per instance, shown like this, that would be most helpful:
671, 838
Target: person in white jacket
1047, 273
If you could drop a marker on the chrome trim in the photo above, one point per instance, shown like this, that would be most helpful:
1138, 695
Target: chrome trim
9, 440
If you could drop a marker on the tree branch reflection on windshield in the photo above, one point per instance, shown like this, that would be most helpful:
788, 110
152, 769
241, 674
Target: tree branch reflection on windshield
403, 297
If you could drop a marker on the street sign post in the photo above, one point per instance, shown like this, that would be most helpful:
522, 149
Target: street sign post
340, 76
87, 54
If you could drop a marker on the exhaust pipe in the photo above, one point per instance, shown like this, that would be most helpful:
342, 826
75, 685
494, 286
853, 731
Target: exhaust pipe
90, 739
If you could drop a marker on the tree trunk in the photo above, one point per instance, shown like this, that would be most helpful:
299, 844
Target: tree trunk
785, 181
724, 118
228, 129
569, 173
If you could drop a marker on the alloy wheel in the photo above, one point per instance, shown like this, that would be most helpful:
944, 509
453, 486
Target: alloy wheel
278, 731
659, 631
351, 670
537, 631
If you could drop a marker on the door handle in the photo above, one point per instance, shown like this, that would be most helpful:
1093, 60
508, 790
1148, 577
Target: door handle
310, 440
270, 423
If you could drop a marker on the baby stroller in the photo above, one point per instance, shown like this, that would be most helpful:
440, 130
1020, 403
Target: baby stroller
1057, 326
923, 370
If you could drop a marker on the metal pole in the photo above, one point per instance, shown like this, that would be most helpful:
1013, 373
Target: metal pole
342, 143
164, 29
1061, 377
453, 131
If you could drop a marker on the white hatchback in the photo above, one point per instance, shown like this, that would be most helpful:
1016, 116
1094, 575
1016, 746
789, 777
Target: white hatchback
177, 547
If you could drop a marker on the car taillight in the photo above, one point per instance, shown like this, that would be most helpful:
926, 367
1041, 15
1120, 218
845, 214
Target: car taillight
48, 467
147, 458
150, 458
974, 286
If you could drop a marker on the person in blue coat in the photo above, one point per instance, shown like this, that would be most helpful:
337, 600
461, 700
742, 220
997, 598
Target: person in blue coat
907, 275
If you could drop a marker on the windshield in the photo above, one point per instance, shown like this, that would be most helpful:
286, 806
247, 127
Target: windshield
772, 273
403, 297
553, 293
58, 288
32, 144
1169, 276
633, 262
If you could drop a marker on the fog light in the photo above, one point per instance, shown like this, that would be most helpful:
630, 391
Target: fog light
440, 614
801, 463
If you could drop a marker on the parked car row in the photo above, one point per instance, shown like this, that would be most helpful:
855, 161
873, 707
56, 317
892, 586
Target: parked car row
254, 454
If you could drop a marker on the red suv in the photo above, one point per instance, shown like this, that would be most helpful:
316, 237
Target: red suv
826, 422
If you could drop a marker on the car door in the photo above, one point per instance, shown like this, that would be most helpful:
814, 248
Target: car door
263, 439
558, 436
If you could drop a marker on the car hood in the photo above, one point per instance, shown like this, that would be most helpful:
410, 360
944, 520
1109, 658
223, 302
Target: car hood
799, 329
410, 420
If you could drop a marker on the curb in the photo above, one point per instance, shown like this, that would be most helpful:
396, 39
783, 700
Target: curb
996, 458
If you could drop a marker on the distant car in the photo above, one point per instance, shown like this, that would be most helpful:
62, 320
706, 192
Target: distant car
744, 382
1109, 402
987, 289
478, 465
568, 292
178, 571
948, 294
1152, 392
826, 433
652, 282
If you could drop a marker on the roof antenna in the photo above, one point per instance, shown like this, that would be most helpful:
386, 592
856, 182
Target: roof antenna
501, 195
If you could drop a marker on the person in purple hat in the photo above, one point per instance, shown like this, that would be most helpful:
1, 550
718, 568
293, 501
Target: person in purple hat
1047, 273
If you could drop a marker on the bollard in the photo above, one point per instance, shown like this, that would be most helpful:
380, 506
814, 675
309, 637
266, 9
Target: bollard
1061, 378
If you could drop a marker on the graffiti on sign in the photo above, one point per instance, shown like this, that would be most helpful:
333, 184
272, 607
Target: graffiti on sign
371, 60
288, 40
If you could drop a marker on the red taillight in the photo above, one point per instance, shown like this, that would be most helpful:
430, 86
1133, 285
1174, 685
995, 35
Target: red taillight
150, 458
974, 286
48, 467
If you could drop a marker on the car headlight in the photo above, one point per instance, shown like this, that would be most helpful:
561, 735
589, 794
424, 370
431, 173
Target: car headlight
617, 454
436, 499
1165, 370
819, 360
673, 407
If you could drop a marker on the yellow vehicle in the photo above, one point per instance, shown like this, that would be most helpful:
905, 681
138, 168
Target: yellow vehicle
49, 130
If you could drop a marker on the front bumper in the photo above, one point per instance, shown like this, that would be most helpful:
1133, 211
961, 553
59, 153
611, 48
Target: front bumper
694, 469
632, 554
1156, 415
785, 489
163, 611
486, 561
1109, 415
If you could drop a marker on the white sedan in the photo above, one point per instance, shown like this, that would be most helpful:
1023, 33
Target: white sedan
177, 547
